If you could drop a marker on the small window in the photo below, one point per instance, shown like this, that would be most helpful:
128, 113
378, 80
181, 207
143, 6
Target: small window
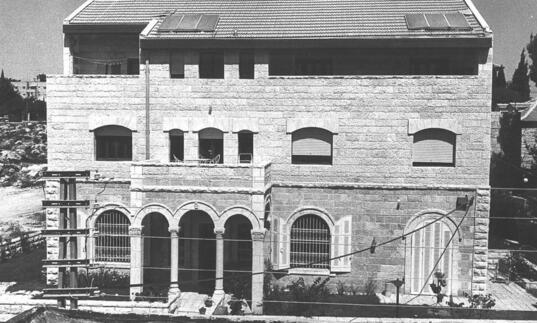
246, 147
211, 145
434, 147
177, 65
310, 243
246, 65
177, 145
133, 66
211, 65
312, 146
112, 241
113, 143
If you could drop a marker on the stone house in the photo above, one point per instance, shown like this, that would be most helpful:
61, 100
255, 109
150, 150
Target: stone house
223, 134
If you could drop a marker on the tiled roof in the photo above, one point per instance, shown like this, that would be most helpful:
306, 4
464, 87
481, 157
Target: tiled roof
278, 19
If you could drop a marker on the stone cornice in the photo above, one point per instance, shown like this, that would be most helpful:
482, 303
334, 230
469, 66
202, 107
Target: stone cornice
197, 189
375, 186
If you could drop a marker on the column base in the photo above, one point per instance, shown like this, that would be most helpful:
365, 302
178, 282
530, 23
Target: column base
134, 292
173, 292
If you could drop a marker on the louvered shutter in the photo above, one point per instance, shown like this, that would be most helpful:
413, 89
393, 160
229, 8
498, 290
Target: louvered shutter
275, 243
312, 142
342, 245
435, 146
283, 261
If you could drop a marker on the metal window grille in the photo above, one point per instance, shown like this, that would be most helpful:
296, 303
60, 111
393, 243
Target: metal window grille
112, 242
310, 243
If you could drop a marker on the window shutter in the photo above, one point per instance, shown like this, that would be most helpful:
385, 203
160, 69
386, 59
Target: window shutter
312, 142
342, 245
434, 146
275, 225
283, 261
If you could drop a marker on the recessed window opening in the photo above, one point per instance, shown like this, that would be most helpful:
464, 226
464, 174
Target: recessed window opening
312, 146
211, 65
434, 147
211, 145
246, 147
246, 65
133, 66
177, 65
177, 145
112, 241
310, 243
113, 143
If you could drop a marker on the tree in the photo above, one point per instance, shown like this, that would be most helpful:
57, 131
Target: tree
521, 82
532, 53
11, 103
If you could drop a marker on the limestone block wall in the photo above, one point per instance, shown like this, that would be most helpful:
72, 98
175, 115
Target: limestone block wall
372, 114
386, 212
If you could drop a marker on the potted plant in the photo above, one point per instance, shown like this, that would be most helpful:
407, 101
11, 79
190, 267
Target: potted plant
437, 285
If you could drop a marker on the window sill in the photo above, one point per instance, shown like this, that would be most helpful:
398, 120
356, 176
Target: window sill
311, 271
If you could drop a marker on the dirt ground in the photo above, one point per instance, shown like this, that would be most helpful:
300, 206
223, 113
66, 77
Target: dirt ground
19, 206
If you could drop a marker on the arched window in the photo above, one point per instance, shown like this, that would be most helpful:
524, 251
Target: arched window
312, 146
112, 242
211, 145
434, 147
177, 145
310, 243
113, 143
426, 246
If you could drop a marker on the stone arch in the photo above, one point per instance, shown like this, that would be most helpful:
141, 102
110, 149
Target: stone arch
90, 221
323, 214
421, 216
154, 208
241, 210
196, 206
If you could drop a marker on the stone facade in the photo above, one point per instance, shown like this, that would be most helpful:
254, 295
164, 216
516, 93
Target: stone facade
371, 187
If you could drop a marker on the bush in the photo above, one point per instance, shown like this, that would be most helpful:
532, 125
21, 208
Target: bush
515, 267
480, 301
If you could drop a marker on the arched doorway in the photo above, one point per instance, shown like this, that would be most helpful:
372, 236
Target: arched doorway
197, 253
238, 256
156, 255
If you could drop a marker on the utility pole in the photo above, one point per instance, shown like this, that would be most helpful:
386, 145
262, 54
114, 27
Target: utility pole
397, 283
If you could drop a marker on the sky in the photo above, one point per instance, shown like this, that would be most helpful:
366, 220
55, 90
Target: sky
31, 33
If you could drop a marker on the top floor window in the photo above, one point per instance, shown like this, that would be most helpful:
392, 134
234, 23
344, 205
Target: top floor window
312, 146
434, 147
113, 143
177, 65
211, 145
246, 65
211, 65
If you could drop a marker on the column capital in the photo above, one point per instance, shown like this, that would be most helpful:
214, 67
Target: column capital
219, 232
135, 230
174, 231
258, 234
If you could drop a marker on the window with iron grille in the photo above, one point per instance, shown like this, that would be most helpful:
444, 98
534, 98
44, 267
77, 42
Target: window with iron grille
310, 243
112, 242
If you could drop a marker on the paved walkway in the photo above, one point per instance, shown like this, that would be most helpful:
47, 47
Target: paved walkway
510, 296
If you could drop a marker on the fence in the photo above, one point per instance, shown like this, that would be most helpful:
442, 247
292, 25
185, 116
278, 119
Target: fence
12, 247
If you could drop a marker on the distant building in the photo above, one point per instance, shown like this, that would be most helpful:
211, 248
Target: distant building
36, 88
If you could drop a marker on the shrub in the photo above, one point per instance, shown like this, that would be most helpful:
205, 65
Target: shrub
480, 300
370, 288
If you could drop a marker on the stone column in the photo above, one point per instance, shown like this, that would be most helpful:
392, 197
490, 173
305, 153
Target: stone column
219, 283
68, 61
481, 230
231, 64
258, 265
192, 64
261, 67
52, 192
137, 274
231, 148
174, 270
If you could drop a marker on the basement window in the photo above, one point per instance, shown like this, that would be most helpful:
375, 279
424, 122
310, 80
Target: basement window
113, 143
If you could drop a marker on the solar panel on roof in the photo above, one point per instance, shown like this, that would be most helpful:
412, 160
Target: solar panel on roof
208, 22
437, 21
171, 22
457, 21
416, 21
189, 23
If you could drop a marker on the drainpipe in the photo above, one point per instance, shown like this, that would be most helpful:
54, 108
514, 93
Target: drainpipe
147, 119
